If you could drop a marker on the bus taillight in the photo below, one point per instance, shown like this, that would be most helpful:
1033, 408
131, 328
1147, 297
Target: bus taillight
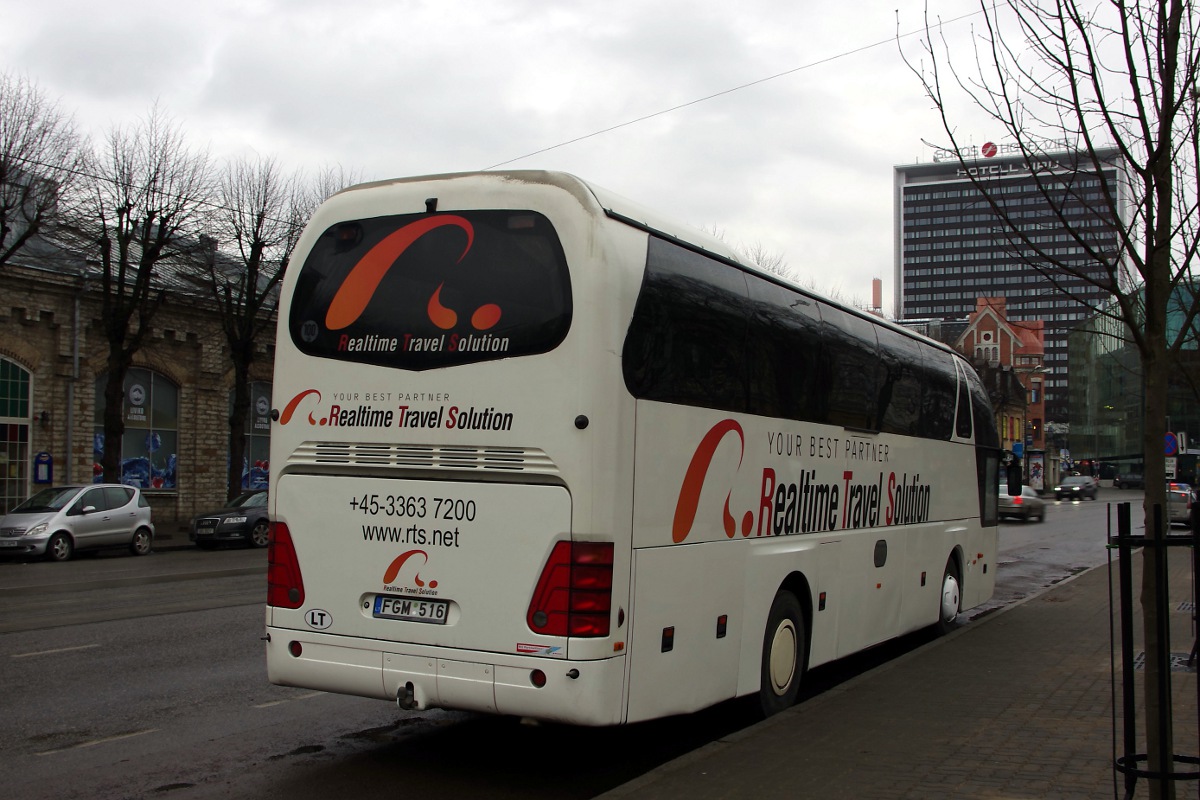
573, 596
285, 587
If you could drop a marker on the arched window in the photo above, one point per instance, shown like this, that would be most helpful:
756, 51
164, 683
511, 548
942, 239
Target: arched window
151, 442
257, 454
14, 434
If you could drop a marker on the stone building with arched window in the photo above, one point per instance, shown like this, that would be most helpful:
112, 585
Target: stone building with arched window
177, 396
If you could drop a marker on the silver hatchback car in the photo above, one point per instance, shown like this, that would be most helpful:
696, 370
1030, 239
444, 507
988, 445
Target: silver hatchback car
57, 521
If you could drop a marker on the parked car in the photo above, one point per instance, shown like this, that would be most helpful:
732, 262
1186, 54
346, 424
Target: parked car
1179, 504
59, 521
1025, 506
1129, 480
244, 519
1076, 487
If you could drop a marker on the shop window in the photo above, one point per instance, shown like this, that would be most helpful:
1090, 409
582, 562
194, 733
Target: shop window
257, 453
14, 434
150, 409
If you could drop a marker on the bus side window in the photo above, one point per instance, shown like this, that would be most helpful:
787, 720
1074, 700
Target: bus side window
988, 465
962, 416
900, 394
783, 350
851, 361
686, 343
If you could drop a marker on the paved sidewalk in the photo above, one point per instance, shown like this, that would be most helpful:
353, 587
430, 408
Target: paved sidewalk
1017, 704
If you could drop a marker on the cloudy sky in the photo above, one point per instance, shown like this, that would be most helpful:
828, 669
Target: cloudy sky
799, 165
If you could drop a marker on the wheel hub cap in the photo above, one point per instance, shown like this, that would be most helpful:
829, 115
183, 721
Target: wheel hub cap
950, 598
783, 657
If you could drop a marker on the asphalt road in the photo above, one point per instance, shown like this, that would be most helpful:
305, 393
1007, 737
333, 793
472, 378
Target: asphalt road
144, 677
1074, 537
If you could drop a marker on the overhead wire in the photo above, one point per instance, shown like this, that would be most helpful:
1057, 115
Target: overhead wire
731, 90
628, 123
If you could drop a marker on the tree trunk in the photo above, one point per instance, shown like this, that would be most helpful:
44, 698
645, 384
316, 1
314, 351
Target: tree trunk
237, 418
114, 414
1158, 716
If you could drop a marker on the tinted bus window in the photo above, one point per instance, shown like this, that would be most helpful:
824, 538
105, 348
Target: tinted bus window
986, 434
962, 417
783, 354
850, 360
938, 395
686, 343
421, 291
900, 392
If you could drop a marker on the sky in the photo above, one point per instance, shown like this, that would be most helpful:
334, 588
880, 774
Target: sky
797, 164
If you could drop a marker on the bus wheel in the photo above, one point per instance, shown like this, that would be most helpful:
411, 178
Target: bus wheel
950, 599
782, 655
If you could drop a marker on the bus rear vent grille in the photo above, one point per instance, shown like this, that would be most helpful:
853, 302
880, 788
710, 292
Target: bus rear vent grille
409, 456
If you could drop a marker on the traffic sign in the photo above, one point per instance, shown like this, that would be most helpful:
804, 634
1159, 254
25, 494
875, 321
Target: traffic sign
1172, 444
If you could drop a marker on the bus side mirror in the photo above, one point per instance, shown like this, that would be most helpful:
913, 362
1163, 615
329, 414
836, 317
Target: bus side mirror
1011, 466
1014, 479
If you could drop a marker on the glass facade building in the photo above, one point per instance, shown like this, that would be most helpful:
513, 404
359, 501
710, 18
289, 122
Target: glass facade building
1107, 392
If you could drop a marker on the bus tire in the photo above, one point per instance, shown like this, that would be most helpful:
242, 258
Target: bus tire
949, 599
784, 645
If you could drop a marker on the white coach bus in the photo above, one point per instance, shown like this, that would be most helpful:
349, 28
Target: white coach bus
539, 452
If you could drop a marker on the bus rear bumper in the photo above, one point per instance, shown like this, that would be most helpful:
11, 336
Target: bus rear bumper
574, 692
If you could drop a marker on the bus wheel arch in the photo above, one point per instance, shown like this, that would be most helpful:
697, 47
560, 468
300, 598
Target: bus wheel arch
785, 646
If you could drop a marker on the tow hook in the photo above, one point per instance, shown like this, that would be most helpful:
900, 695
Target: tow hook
406, 698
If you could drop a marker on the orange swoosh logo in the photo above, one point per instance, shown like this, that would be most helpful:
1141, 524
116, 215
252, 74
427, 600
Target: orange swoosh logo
291, 407
693, 480
359, 287
394, 568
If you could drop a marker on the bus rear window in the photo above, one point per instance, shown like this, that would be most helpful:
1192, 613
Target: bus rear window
422, 291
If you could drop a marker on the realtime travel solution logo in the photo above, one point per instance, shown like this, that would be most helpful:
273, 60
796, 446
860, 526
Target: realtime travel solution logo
806, 505
364, 415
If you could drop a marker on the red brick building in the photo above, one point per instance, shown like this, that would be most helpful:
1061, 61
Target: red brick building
1009, 354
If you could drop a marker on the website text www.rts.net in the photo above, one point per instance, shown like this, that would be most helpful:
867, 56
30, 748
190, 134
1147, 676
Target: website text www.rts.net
412, 535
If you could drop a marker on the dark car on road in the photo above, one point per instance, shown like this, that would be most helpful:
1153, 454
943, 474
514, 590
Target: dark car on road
244, 520
1129, 480
1076, 487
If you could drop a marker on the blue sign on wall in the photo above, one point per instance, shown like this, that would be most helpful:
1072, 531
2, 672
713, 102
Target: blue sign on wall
43, 468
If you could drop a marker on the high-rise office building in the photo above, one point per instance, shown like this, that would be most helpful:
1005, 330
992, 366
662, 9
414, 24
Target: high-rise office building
952, 248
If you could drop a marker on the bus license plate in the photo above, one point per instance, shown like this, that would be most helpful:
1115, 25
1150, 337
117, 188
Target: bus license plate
406, 608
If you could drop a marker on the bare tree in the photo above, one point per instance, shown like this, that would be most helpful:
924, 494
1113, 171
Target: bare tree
328, 181
41, 156
261, 214
1106, 93
774, 263
144, 208
768, 260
